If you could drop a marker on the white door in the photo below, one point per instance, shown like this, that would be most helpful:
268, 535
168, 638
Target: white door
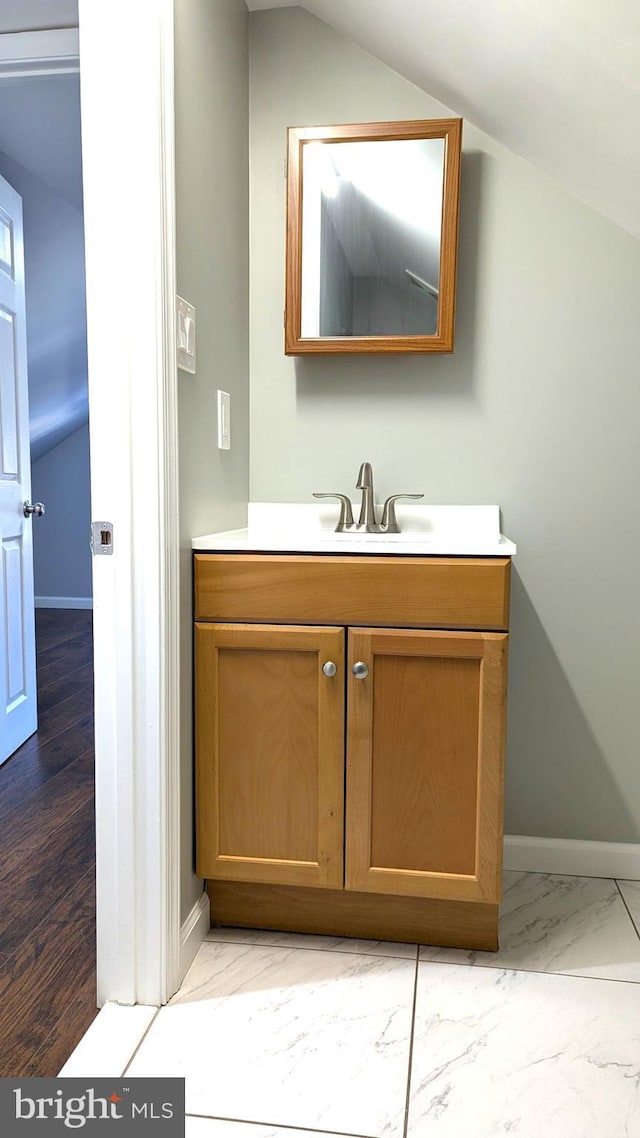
18, 709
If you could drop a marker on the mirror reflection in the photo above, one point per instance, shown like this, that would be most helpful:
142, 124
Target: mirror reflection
371, 237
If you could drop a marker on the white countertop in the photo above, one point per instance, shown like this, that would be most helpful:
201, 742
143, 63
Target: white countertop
434, 531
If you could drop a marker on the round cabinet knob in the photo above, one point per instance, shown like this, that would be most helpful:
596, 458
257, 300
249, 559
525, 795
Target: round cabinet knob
360, 670
329, 668
37, 509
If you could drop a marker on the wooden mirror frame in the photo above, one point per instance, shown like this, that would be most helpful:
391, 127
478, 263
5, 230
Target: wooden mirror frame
448, 129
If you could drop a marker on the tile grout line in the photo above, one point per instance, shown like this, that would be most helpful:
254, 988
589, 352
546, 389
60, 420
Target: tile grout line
410, 1060
622, 896
139, 1044
449, 963
276, 1125
533, 971
310, 948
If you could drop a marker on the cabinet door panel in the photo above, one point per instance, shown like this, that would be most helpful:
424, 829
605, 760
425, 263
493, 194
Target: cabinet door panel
269, 754
424, 767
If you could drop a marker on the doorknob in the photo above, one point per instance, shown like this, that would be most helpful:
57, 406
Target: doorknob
37, 508
360, 670
329, 668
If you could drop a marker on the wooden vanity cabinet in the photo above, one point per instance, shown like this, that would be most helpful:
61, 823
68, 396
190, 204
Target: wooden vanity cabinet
352, 806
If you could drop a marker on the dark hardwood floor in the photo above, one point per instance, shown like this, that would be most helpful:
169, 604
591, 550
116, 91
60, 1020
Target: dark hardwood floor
47, 860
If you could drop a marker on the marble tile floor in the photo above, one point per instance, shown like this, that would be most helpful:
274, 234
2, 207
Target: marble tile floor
281, 1036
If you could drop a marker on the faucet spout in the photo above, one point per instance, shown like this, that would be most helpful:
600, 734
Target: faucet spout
365, 477
367, 509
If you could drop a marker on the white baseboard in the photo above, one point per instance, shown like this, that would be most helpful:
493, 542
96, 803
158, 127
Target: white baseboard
64, 602
564, 855
193, 932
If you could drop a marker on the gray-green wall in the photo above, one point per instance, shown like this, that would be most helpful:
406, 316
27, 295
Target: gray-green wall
212, 188
537, 409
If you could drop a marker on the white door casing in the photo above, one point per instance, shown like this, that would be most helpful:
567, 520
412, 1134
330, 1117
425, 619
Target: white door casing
18, 699
129, 188
126, 85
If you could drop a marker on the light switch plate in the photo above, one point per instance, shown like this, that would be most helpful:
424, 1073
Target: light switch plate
224, 420
186, 335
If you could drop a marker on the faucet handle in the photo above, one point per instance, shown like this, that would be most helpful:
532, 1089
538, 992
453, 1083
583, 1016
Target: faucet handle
389, 523
345, 521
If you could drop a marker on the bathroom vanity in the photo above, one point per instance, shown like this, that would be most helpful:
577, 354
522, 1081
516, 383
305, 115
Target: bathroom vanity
350, 722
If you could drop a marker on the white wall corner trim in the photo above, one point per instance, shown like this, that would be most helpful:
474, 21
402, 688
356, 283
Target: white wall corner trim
63, 602
129, 177
54, 52
573, 858
194, 929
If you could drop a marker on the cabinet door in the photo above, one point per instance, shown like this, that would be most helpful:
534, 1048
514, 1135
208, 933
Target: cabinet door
270, 754
425, 747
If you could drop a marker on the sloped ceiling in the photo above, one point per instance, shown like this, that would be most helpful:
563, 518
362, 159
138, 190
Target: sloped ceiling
555, 81
40, 155
29, 15
40, 129
56, 316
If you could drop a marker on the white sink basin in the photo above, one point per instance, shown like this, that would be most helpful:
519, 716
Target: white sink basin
307, 528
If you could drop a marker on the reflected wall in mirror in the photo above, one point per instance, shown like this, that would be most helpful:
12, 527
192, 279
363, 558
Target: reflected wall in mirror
372, 224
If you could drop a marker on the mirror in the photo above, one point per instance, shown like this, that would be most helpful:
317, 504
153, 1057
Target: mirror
372, 226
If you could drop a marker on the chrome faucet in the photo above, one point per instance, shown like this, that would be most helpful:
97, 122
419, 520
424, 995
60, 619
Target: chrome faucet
367, 522
367, 519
